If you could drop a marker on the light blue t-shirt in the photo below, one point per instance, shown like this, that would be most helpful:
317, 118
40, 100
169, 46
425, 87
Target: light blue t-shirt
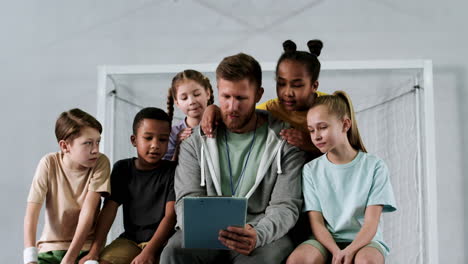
342, 193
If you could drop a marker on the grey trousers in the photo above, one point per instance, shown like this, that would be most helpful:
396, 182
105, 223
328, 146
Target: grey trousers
276, 252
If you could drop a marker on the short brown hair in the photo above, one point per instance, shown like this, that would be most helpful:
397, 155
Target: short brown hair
70, 123
239, 67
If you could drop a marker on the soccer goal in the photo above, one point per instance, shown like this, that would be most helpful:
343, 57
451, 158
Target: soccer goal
395, 114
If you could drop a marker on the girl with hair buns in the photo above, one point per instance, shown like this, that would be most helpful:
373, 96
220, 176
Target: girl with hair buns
191, 92
345, 191
297, 75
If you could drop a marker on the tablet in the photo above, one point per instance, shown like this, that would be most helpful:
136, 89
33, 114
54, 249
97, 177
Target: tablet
205, 216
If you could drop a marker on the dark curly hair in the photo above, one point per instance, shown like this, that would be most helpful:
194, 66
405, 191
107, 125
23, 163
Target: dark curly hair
308, 59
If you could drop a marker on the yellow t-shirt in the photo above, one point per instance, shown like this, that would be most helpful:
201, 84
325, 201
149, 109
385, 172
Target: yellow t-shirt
297, 119
64, 193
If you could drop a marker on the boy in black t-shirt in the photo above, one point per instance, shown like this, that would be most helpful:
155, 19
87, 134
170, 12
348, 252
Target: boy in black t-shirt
145, 187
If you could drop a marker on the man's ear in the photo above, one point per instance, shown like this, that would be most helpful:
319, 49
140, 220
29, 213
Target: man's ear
315, 86
133, 140
259, 94
64, 147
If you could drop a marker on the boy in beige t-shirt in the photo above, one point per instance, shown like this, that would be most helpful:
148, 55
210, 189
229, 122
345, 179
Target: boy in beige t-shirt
71, 183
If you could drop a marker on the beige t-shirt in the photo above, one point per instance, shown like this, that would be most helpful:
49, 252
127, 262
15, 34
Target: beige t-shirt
64, 192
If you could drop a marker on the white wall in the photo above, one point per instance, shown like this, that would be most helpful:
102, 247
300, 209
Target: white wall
50, 50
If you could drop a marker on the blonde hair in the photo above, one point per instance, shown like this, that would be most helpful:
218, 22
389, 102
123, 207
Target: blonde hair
192, 75
340, 104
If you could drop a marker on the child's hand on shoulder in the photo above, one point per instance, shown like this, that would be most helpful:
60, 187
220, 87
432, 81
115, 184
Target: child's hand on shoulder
184, 134
297, 138
210, 119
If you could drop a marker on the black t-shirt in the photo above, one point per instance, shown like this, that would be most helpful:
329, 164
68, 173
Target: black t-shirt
144, 195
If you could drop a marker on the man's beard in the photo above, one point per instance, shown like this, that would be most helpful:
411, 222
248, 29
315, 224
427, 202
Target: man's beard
238, 123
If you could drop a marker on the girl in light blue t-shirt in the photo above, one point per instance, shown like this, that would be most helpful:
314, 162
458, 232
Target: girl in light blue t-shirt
345, 191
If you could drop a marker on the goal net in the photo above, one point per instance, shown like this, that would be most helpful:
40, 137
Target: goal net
393, 102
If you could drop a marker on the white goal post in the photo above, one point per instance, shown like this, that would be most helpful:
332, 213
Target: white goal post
424, 125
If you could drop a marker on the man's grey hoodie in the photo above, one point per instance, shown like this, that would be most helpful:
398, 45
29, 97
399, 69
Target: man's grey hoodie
274, 201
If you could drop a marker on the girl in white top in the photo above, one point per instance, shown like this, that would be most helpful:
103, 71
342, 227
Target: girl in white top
345, 191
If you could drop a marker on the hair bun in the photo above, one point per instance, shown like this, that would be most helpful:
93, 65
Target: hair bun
289, 46
315, 46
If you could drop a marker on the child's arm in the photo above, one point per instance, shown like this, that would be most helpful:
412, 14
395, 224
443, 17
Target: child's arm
159, 238
85, 222
321, 232
301, 140
30, 224
104, 223
183, 134
367, 232
210, 119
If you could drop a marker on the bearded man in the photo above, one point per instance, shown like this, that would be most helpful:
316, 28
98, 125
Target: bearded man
246, 158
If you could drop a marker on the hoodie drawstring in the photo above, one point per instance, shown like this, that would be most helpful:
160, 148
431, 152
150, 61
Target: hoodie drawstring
278, 159
202, 163
202, 167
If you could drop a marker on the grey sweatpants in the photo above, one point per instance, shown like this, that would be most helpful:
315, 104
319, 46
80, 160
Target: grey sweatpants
275, 252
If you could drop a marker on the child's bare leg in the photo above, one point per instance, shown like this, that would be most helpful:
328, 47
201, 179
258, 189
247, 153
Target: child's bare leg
306, 254
369, 255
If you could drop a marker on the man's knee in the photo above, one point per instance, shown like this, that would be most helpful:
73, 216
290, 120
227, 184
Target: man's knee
275, 252
170, 250
167, 254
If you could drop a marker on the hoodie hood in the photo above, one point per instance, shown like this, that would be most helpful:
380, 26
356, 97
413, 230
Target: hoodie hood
209, 161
